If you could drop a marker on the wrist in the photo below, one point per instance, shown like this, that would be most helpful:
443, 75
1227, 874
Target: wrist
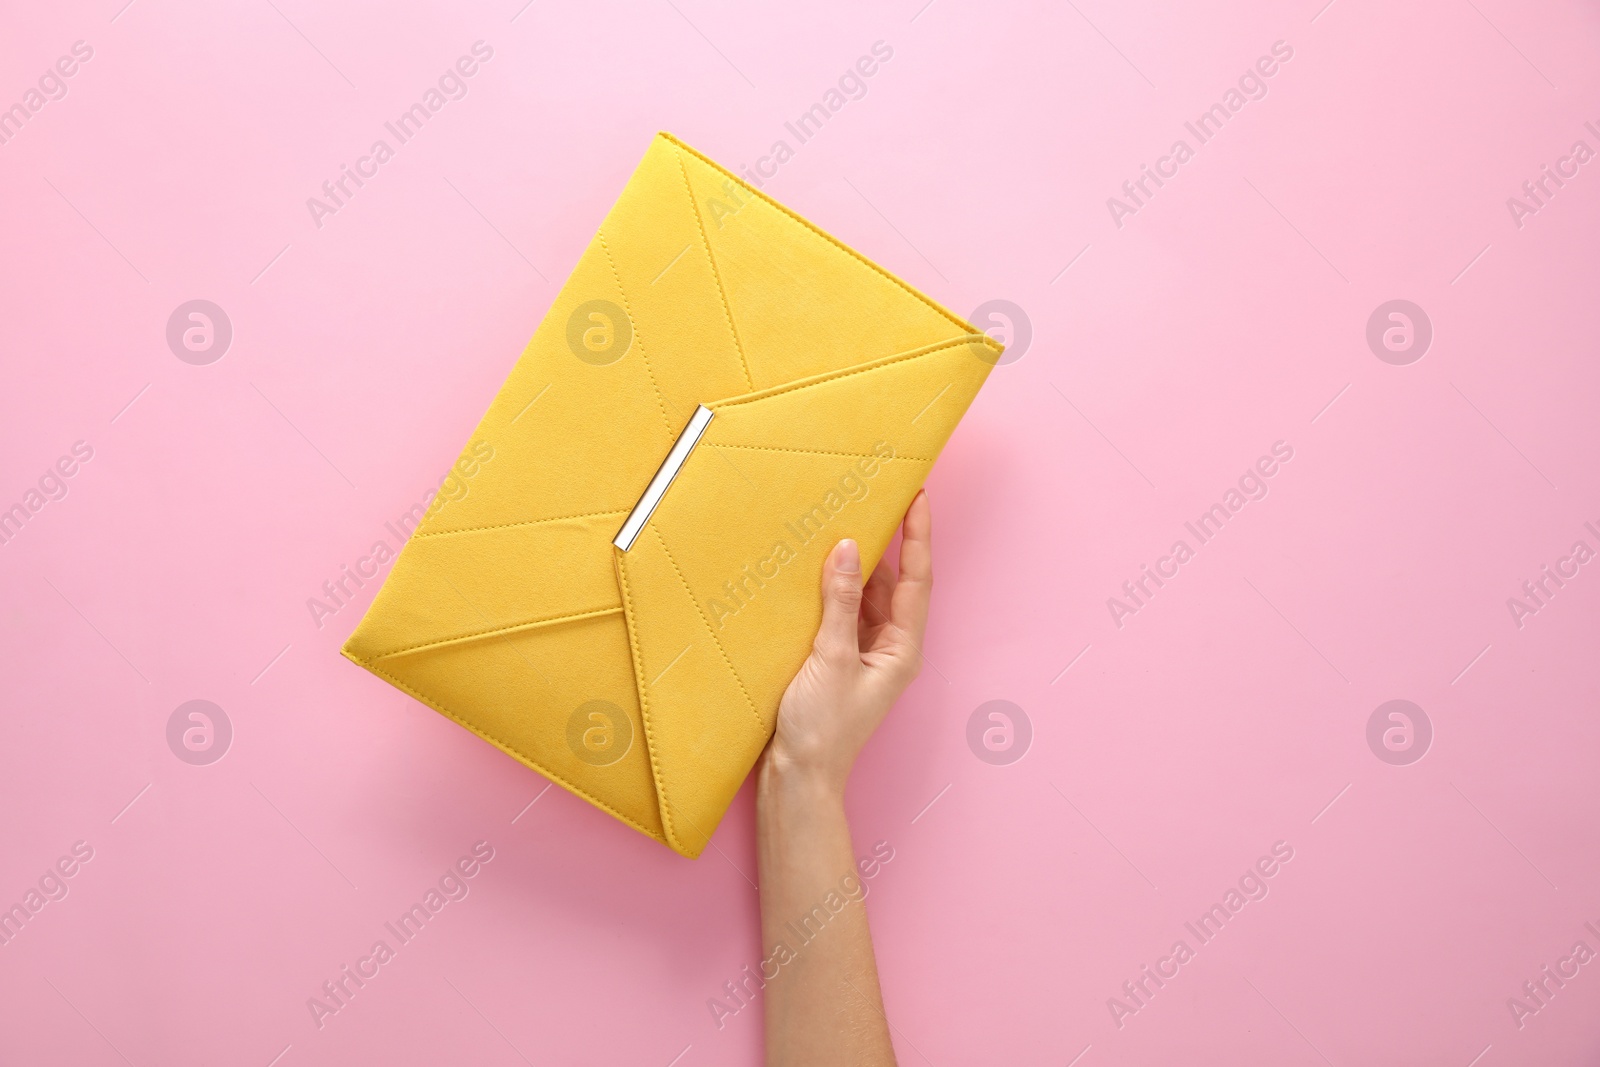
787, 782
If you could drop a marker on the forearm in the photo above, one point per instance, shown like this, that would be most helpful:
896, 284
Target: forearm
823, 1006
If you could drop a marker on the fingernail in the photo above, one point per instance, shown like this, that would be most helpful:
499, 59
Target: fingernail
847, 557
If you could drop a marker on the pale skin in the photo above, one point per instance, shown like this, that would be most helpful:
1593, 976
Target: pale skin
825, 1007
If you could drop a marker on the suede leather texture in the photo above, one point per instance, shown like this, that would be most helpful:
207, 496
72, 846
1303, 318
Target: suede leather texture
834, 385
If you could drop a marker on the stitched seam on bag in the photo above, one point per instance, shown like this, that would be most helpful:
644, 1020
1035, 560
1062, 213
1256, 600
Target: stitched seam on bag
506, 746
821, 452
595, 613
716, 276
840, 375
662, 804
525, 522
835, 242
661, 400
717, 640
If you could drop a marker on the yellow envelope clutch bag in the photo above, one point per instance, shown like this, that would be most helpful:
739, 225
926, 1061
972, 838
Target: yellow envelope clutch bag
718, 395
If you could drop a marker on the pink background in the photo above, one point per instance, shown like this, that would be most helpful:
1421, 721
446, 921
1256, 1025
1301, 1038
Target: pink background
1229, 312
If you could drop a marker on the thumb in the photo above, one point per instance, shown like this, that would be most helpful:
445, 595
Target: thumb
841, 603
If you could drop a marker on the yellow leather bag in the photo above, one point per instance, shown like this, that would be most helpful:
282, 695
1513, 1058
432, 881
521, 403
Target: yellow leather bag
742, 391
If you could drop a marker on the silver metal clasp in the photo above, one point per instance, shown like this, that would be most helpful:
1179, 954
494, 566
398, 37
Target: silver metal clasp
664, 474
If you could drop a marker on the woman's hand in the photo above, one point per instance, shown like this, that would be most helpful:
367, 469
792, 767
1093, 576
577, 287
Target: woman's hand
868, 649
823, 1002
